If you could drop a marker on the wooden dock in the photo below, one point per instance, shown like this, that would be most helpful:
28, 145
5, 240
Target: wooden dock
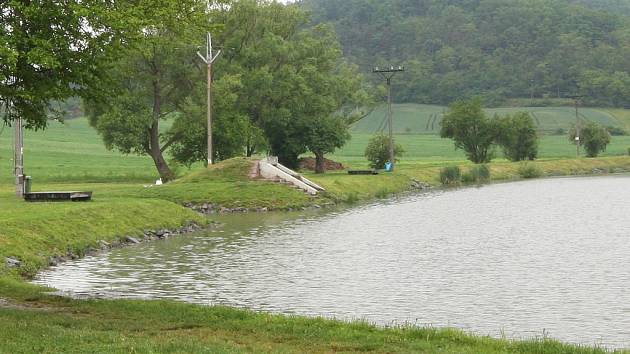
57, 196
362, 172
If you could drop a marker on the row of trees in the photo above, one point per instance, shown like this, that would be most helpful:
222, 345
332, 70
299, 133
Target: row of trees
280, 86
497, 49
474, 132
477, 134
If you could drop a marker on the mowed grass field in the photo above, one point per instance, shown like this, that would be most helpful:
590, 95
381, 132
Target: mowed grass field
425, 119
71, 152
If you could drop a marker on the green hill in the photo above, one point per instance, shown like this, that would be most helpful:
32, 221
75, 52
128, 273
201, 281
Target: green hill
425, 119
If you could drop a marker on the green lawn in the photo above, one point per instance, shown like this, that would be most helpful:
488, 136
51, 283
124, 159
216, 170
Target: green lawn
72, 157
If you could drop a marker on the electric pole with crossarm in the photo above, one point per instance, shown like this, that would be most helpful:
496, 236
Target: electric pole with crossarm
388, 74
209, 58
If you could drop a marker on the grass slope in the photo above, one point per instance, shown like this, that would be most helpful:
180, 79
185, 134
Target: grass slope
47, 324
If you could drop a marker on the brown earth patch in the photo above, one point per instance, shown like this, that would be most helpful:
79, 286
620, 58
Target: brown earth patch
308, 163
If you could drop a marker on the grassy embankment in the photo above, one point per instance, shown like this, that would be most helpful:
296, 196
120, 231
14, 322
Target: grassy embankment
72, 157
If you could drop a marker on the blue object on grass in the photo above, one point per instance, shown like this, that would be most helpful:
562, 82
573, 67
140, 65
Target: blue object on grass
388, 166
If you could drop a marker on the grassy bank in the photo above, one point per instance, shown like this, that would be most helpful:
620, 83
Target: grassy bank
72, 157
36, 322
342, 187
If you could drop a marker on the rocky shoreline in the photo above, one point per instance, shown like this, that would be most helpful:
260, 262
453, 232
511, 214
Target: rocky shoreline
147, 236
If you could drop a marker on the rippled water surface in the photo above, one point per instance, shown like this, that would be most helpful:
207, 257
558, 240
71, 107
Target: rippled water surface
518, 259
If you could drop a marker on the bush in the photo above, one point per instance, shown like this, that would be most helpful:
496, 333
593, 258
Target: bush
559, 131
377, 151
529, 170
593, 137
450, 175
477, 174
517, 136
616, 131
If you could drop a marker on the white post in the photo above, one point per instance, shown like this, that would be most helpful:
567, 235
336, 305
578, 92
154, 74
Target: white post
19, 158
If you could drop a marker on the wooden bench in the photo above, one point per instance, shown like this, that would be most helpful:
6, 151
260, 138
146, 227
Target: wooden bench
362, 172
57, 196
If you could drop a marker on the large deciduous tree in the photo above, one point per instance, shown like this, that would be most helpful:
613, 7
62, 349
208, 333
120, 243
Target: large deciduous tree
151, 81
53, 50
286, 79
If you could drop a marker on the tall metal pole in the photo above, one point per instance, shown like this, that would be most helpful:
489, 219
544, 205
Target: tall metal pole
388, 74
19, 158
209, 58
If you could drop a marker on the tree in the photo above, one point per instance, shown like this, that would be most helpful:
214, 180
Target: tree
52, 50
466, 123
593, 137
324, 136
517, 136
377, 151
151, 81
288, 80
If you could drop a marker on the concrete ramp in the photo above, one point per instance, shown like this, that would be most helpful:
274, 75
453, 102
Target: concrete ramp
271, 169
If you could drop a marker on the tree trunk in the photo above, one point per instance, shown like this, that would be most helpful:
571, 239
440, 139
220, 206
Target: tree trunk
154, 138
320, 164
156, 154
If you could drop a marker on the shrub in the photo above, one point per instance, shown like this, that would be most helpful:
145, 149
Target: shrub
559, 131
476, 174
616, 131
517, 136
529, 170
377, 151
450, 175
593, 137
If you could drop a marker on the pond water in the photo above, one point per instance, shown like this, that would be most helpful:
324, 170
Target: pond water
525, 259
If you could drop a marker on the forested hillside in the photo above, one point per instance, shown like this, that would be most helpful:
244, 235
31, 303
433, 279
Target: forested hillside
497, 49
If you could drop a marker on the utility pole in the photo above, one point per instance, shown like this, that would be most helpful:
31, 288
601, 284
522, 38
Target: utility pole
209, 58
388, 74
576, 99
19, 158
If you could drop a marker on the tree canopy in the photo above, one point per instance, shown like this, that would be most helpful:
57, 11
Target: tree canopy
496, 49
53, 50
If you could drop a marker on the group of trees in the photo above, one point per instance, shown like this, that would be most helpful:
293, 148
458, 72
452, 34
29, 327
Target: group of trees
280, 86
477, 134
496, 49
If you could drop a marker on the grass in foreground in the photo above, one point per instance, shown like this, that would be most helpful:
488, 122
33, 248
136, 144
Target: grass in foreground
58, 325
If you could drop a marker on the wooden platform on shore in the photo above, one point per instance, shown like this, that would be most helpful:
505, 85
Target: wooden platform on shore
363, 172
57, 196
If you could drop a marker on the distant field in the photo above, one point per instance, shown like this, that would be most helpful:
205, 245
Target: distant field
425, 119
72, 152
430, 148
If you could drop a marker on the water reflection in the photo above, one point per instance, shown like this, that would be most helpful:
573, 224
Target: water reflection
514, 259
